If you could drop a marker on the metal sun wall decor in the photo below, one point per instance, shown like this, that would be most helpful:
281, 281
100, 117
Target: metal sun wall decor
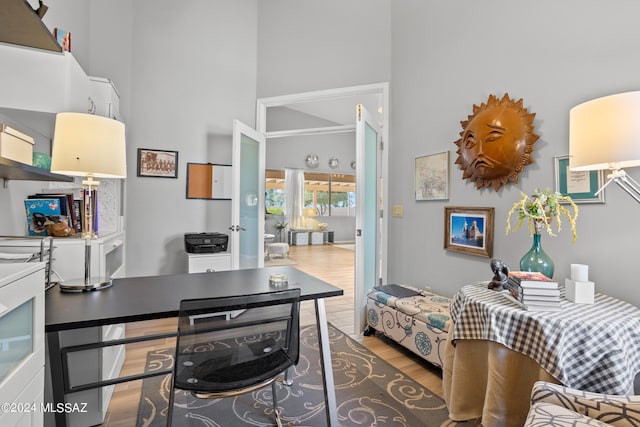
496, 143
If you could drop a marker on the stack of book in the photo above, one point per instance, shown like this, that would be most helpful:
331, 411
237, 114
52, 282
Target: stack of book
534, 291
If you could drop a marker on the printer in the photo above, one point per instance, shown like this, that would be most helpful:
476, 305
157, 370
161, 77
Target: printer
205, 243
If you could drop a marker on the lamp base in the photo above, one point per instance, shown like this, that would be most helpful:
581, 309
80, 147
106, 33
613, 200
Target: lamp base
93, 285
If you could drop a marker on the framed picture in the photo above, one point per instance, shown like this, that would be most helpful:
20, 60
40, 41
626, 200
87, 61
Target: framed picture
580, 186
432, 177
157, 163
469, 230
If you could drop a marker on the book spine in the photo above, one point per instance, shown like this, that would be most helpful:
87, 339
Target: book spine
514, 289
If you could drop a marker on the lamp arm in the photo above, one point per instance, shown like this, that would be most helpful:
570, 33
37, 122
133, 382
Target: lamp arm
611, 179
628, 184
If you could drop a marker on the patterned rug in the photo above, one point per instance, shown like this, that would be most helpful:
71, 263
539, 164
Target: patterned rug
369, 392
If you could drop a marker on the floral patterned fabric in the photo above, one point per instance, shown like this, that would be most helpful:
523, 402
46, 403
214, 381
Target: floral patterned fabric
419, 323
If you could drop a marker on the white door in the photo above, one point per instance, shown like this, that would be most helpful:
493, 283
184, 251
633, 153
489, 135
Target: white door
247, 205
368, 209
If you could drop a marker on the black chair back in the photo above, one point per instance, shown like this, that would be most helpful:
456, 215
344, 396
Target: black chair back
230, 344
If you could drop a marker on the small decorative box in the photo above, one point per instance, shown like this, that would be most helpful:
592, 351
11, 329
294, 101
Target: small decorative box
579, 292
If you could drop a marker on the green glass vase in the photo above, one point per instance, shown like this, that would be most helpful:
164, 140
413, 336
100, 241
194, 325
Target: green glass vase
536, 259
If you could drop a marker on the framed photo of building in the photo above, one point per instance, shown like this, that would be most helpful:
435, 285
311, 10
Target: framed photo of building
469, 230
580, 186
157, 163
432, 177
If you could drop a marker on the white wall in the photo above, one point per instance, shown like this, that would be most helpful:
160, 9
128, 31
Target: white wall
450, 55
314, 45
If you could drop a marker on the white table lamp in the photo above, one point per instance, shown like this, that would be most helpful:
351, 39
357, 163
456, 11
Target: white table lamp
604, 133
92, 147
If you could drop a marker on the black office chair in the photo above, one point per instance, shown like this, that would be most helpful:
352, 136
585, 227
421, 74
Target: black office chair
233, 345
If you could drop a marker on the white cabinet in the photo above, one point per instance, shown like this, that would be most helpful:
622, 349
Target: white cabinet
86, 367
42, 81
22, 342
107, 261
107, 257
105, 98
200, 263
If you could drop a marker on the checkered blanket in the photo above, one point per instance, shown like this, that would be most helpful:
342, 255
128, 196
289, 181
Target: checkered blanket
588, 347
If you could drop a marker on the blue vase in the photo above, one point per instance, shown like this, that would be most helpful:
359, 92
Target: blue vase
536, 259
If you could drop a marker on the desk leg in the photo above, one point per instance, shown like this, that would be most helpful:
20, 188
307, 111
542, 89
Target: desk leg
325, 360
57, 376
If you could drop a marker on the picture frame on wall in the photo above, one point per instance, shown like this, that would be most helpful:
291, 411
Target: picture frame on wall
432, 177
580, 186
157, 163
469, 230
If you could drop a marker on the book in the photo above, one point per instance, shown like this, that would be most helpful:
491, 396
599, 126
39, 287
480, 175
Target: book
63, 38
533, 301
534, 291
542, 298
532, 279
79, 215
66, 206
40, 213
514, 289
530, 307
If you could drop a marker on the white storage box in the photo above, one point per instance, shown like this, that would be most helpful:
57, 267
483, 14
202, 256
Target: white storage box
15, 145
301, 238
317, 238
579, 292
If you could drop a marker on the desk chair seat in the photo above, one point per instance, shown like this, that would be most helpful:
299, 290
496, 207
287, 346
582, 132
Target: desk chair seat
220, 357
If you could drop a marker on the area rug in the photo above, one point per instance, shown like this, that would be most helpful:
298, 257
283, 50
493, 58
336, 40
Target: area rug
369, 392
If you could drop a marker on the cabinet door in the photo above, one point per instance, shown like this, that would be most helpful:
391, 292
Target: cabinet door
209, 263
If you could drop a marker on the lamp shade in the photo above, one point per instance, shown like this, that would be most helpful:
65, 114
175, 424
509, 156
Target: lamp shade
88, 145
604, 133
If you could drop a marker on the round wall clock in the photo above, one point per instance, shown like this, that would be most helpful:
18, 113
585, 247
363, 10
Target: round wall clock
496, 143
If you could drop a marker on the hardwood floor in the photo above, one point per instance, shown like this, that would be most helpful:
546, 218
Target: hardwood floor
329, 263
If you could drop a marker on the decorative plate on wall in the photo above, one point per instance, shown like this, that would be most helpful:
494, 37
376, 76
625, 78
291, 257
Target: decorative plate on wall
496, 143
312, 161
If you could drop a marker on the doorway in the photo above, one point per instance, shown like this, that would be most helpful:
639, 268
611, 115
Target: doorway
335, 113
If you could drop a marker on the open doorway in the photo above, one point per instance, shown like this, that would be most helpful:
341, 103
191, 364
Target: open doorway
309, 123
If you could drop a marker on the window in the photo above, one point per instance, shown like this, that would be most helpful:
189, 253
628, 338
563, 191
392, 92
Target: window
327, 194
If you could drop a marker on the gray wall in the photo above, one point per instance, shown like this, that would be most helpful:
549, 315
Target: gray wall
448, 56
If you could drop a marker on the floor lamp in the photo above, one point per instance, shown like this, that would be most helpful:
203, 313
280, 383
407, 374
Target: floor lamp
92, 147
604, 133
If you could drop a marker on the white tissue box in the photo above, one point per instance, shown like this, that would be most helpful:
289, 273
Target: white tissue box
579, 292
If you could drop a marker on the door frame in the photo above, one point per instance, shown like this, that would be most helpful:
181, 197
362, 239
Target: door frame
320, 95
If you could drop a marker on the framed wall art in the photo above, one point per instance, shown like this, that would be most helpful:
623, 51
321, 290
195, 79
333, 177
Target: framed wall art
157, 163
469, 230
432, 177
580, 186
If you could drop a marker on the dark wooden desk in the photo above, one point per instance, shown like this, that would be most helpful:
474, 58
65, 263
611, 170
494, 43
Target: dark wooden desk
155, 297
